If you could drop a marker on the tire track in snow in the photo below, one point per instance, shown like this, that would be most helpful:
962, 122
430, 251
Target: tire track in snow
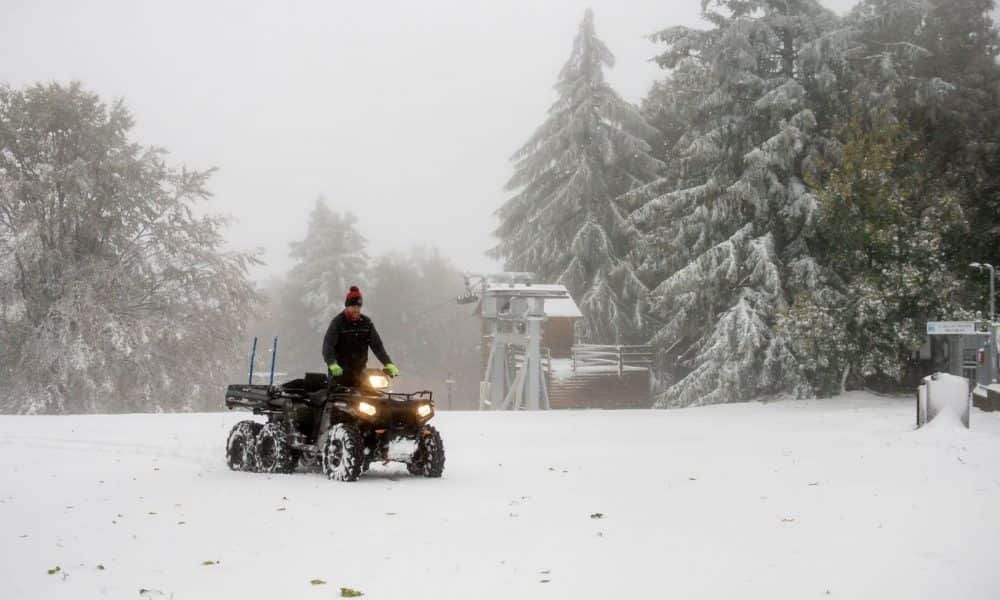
198, 455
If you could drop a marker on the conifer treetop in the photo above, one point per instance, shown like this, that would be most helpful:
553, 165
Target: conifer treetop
564, 222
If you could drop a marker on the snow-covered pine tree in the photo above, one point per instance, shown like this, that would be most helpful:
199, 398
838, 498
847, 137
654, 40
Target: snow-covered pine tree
113, 296
672, 106
565, 223
731, 237
330, 259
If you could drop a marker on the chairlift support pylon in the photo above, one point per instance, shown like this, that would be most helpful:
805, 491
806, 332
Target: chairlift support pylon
514, 307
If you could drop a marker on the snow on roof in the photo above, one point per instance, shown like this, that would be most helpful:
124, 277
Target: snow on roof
562, 307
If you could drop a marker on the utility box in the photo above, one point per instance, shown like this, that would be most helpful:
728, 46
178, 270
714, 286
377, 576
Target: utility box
964, 348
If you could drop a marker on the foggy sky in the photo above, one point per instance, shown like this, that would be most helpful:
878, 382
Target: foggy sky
402, 112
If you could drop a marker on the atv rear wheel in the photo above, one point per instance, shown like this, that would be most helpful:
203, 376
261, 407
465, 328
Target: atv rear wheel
428, 460
241, 446
343, 452
274, 455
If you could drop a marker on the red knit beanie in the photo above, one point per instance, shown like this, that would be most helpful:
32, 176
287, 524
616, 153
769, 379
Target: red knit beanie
353, 297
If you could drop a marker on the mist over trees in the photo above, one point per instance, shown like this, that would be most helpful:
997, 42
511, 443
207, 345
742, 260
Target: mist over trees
329, 260
410, 297
823, 183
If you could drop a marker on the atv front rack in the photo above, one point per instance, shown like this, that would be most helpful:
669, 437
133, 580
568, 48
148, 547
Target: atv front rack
421, 395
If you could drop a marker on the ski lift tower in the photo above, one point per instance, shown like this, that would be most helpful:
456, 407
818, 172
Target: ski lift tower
513, 309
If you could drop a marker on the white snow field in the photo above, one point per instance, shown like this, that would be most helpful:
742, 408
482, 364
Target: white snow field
793, 499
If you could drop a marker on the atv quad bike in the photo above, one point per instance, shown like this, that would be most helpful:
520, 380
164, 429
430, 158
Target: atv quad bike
316, 423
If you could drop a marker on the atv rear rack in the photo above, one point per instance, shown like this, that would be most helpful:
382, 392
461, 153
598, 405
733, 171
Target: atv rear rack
258, 397
261, 398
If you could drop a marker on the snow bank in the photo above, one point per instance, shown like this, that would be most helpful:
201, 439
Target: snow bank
944, 395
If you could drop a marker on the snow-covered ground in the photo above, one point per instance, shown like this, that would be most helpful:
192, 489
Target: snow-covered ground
818, 499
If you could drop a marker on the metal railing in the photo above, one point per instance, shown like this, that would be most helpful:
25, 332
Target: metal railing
620, 356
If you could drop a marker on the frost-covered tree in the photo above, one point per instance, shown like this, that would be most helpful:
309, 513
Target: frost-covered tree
565, 222
729, 242
329, 260
672, 106
114, 296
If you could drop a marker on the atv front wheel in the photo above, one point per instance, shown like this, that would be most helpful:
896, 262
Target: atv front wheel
343, 453
428, 460
274, 455
241, 446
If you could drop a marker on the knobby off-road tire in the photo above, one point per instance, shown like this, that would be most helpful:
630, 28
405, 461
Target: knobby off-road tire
343, 453
428, 460
273, 452
242, 445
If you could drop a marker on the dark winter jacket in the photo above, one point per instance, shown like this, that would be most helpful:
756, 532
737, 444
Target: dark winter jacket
347, 343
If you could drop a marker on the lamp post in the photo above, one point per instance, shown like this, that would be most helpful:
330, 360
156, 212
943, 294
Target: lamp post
450, 381
993, 344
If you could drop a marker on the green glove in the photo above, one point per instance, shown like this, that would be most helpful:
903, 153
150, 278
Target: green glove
391, 368
336, 370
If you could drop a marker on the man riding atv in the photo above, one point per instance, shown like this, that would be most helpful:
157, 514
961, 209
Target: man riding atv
346, 343
343, 423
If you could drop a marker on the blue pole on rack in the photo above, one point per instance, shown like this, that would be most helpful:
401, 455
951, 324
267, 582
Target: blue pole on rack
253, 353
274, 355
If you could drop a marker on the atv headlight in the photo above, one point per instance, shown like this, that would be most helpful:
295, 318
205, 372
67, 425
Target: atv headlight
423, 410
378, 382
366, 408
